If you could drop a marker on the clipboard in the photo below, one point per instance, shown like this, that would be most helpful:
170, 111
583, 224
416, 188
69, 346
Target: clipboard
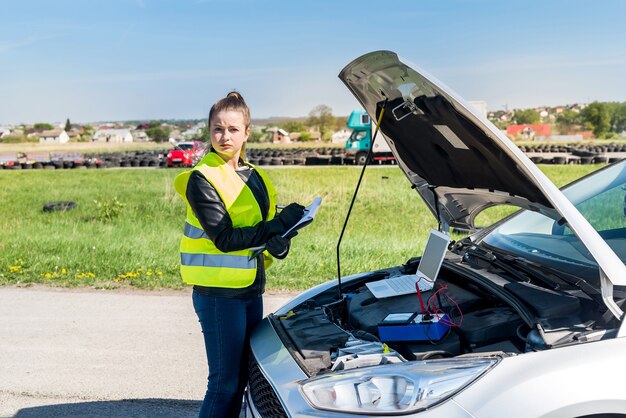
308, 216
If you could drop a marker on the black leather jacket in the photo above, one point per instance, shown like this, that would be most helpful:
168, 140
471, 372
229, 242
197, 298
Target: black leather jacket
213, 216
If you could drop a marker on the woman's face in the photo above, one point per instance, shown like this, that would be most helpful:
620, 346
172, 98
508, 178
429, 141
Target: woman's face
228, 133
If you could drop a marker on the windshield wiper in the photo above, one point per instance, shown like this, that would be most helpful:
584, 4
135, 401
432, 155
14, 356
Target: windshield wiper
503, 262
539, 272
577, 282
481, 254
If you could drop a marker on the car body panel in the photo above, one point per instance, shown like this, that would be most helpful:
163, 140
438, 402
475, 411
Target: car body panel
565, 382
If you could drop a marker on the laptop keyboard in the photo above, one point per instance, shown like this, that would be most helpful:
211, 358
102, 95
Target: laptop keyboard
402, 284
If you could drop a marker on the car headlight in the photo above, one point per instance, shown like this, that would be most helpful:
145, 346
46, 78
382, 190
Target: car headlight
403, 387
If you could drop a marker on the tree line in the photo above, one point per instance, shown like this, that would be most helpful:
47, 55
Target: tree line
320, 119
605, 119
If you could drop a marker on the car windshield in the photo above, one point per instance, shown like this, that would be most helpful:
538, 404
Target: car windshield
185, 147
600, 198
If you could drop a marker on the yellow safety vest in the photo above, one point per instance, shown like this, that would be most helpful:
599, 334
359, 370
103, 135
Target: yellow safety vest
201, 262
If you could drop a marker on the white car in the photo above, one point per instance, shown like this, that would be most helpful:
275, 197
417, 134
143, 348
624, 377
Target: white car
525, 318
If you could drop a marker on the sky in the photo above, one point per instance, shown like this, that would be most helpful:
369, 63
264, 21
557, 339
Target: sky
110, 60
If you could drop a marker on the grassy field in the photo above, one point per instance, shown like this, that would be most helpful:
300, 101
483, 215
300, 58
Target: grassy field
126, 227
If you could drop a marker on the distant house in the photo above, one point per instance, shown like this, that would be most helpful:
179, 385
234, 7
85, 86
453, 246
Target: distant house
74, 133
54, 136
112, 135
340, 137
529, 130
194, 131
315, 135
4, 131
140, 136
281, 136
176, 135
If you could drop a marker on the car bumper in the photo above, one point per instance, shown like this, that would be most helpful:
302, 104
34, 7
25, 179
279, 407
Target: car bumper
274, 389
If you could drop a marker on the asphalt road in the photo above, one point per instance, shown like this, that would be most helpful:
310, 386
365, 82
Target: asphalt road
91, 353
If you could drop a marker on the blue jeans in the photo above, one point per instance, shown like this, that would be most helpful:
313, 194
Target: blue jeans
226, 324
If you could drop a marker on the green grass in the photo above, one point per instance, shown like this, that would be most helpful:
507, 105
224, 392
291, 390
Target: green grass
127, 225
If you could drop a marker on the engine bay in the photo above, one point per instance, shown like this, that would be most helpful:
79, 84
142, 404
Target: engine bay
327, 333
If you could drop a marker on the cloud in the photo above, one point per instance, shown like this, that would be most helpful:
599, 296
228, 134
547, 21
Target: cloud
6, 46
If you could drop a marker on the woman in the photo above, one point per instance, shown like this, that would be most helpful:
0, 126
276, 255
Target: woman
231, 208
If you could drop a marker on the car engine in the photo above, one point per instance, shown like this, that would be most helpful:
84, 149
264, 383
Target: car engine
326, 333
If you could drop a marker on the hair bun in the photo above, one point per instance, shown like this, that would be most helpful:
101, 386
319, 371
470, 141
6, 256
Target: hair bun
235, 95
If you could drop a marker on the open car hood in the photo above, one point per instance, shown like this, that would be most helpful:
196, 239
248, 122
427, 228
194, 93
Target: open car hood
457, 160
448, 152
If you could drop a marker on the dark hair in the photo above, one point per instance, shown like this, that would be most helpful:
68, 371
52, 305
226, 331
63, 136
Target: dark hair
232, 101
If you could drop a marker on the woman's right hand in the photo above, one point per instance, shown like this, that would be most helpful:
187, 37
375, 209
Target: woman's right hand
290, 215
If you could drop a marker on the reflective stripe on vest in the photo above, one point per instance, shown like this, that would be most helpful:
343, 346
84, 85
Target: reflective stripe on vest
217, 260
193, 232
201, 262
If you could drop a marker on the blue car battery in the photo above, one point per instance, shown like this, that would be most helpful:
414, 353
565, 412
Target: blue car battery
413, 327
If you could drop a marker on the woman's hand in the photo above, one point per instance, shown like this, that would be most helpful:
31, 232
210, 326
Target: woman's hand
278, 246
291, 214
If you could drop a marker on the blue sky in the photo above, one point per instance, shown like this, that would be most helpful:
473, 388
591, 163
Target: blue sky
97, 60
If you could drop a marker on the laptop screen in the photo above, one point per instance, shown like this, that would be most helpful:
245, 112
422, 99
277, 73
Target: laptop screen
435, 250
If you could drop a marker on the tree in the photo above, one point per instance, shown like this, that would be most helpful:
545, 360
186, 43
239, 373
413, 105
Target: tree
567, 120
292, 126
341, 122
617, 113
527, 116
305, 136
596, 116
43, 126
256, 136
158, 134
68, 125
203, 135
321, 117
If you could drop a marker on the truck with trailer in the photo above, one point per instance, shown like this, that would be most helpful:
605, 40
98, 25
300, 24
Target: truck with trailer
360, 140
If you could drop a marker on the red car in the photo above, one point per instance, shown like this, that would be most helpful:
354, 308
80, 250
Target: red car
185, 154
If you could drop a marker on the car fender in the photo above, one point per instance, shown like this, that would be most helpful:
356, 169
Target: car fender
566, 382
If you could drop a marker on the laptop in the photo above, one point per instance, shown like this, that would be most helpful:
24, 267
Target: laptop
427, 270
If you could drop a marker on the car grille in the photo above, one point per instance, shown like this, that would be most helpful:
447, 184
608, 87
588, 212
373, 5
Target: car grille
261, 392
